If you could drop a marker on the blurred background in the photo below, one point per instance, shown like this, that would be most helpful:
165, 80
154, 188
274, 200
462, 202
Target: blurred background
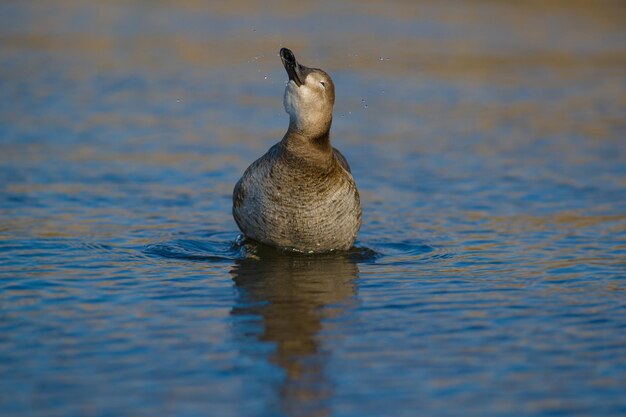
487, 139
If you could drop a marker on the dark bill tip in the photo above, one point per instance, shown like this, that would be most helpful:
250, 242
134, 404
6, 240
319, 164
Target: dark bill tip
294, 70
287, 56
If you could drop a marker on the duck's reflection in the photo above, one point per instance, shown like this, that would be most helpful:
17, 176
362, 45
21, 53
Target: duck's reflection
293, 295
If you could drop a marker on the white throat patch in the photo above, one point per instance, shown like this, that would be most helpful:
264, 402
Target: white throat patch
302, 104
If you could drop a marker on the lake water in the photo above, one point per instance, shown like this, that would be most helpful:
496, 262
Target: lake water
488, 140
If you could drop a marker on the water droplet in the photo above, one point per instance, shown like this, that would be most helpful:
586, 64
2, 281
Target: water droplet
365, 106
362, 100
382, 59
265, 78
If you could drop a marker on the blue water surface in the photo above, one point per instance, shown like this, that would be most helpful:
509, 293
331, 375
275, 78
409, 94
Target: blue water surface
488, 143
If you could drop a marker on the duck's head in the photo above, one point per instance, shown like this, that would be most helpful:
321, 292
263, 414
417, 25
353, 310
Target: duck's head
309, 97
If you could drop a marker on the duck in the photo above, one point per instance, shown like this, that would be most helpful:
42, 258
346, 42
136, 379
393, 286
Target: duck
300, 195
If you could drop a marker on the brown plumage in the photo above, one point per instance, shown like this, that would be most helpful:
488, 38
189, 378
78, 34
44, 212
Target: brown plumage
301, 195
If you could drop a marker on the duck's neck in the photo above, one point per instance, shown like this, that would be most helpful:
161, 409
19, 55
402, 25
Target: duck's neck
315, 150
317, 138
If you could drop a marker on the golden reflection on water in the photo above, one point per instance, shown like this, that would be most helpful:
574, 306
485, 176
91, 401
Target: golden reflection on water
293, 295
539, 33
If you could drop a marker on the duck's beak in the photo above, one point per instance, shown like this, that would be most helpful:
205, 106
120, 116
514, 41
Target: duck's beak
295, 71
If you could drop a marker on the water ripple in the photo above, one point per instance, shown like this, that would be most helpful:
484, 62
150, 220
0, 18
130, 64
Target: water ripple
221, 247
407, 252
217, 248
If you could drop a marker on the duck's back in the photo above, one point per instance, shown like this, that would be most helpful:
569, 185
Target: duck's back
287, 201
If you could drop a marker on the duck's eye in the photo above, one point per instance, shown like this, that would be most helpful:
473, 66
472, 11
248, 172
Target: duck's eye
323, 84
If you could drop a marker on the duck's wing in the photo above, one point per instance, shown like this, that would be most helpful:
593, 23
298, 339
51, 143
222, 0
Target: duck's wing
261, 164
342, 160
